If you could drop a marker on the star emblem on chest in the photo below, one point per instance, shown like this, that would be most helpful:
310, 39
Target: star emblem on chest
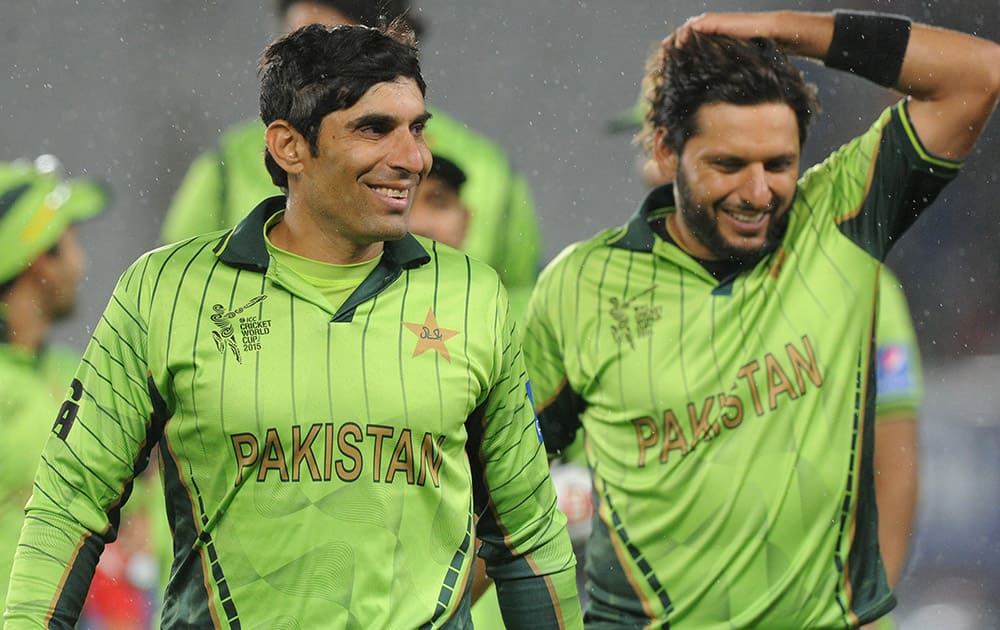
430, 336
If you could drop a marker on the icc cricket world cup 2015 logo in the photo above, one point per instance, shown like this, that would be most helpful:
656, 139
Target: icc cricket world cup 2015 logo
225, 333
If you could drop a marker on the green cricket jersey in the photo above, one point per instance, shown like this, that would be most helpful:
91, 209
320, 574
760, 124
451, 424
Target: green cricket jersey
729, 424
503, 230
897, 364
323, 467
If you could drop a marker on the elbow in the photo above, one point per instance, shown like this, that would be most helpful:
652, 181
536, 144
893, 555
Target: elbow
991, 67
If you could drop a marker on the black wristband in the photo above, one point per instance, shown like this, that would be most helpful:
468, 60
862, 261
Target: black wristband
870, 45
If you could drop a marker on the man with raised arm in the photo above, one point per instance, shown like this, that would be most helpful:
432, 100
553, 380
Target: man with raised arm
718, 349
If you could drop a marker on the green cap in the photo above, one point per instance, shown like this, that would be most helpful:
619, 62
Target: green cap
37, 206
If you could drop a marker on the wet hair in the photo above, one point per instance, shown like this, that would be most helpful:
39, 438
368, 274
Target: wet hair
711, 69
374, 13
317, 69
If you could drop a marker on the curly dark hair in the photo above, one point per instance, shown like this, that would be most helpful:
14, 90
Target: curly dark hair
719, 69
317, 69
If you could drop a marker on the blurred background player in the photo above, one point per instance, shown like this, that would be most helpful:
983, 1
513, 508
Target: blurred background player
438, 211
41, 268
221, 184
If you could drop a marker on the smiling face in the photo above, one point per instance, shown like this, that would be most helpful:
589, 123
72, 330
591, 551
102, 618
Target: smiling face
735, 180
356, 191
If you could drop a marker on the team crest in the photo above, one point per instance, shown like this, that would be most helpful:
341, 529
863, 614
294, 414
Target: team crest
430, 336
251, 329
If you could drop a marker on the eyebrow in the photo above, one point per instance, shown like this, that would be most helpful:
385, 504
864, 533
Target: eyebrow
384, 120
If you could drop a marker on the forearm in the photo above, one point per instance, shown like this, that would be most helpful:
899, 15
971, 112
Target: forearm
895, 491
952, 78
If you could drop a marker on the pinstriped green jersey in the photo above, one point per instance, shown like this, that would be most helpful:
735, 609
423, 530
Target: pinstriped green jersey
728, 424
323, 466
897, 364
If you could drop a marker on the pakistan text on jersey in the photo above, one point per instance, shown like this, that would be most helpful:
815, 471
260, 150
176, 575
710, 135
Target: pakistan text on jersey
706, 418
321, 451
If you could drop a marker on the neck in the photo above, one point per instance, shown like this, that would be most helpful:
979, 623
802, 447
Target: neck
297, 232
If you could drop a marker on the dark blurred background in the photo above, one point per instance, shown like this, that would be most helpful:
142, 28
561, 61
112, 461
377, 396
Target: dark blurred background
131, 90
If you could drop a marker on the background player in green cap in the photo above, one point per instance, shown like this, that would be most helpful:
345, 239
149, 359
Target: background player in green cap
340, 411
40, 271
221, 184
718, 349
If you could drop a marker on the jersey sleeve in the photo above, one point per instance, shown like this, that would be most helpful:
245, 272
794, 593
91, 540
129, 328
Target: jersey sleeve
558, 406
99, 442
524, 540
899, 382
876, 185
197, 206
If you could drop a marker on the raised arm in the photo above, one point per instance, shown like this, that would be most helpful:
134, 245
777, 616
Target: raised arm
952, 78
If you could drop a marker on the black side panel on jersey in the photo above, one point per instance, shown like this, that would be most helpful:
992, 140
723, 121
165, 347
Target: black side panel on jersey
560, 419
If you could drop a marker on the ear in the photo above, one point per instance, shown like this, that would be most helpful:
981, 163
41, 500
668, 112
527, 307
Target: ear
664, 157
287, 146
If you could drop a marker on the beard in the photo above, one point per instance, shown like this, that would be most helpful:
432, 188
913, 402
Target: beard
704, 226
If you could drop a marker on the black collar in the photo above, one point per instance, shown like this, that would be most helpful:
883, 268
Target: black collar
637, 235
244, 247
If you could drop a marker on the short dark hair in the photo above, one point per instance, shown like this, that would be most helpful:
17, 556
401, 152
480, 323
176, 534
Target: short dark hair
448, 172
711, 69
374, 13
317, 69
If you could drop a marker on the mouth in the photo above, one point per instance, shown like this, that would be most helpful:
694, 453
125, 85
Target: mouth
747, 221
397, 198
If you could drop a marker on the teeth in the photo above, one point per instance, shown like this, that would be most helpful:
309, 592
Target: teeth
392, 192
743, 216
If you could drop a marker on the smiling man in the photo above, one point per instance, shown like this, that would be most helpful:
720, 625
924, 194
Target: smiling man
340, 411
717, 349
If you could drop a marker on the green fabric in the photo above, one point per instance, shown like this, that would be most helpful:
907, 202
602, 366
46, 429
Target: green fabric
729, 425
900, 381
322, 467
27, 408
503, 230
335, 282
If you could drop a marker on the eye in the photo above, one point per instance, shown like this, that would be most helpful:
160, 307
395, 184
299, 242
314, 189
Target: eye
376, 129
728, 165
778, 165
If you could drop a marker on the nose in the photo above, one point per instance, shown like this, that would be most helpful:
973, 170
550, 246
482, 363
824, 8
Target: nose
756, 190
410, 153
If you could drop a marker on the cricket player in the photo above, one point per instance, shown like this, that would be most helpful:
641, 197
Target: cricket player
718, 349
504, 233
340, 409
